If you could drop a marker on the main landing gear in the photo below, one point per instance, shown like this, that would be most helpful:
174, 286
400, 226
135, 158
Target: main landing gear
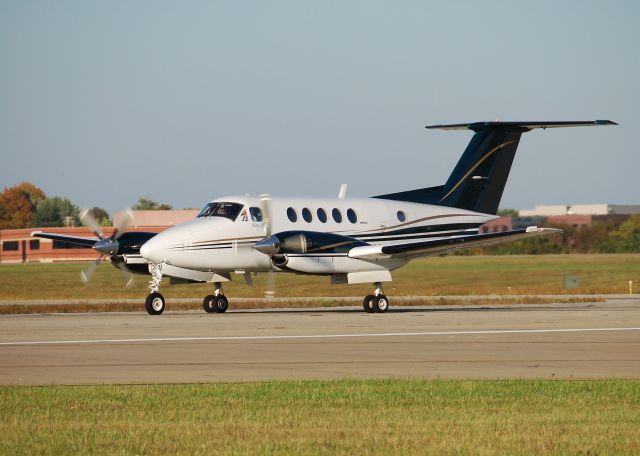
377, 302
217, 302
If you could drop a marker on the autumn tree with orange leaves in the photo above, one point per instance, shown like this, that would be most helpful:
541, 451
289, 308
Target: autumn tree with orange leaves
17, 205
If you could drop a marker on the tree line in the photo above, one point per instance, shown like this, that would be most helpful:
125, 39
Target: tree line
25, 206
602, 236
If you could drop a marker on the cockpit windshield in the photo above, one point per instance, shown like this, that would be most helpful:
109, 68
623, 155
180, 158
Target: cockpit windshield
226, 210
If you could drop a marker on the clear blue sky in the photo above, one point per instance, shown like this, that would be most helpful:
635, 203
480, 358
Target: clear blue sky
187, 101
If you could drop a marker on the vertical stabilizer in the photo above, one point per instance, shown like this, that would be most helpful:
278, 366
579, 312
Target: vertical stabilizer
478, 180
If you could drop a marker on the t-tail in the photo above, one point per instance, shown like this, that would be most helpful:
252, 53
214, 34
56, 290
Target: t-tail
478, 180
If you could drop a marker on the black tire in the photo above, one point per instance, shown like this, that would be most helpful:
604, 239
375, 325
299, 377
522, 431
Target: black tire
222, 304
209, 303
367, 305
380, 304
154, 304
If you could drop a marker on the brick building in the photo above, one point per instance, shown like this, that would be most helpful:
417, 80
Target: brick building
17, 246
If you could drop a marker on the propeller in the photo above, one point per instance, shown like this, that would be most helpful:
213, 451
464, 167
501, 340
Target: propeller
88, 220
265, 202
106, 246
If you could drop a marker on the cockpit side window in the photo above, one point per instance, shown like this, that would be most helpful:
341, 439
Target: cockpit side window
256, 214
225, 210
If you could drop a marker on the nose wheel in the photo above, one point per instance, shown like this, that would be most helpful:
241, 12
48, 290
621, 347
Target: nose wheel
154, 304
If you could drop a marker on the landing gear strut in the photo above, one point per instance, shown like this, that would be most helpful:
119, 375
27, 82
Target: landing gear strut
377, 302
217, 302
155, 303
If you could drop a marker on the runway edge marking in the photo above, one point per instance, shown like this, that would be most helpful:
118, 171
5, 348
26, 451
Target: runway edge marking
313, 336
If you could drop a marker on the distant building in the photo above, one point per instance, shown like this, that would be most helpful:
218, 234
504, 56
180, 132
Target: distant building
585, 220
497, 225
17, 246
158, 218
509, 223
581, 209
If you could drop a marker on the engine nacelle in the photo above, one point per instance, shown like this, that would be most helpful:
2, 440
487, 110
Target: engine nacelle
306, 242
279, 261
313, 252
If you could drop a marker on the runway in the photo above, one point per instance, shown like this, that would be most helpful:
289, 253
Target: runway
585, 340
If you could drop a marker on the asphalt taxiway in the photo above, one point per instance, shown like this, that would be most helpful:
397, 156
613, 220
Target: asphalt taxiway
583, 340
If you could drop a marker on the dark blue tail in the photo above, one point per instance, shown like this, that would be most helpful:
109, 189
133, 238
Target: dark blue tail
478, 180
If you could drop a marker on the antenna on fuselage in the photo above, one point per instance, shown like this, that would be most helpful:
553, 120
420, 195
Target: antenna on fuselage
343, 191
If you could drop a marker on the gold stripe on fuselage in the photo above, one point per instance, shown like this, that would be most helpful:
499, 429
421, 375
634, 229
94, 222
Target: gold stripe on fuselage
491, 152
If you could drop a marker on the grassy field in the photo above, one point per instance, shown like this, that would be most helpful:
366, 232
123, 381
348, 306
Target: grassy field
453, 275
328, 417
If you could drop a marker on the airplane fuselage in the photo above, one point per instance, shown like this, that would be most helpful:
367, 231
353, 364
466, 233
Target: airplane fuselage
225, 243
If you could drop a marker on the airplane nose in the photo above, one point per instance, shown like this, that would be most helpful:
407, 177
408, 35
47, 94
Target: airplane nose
150, 251
145, 250
164, 246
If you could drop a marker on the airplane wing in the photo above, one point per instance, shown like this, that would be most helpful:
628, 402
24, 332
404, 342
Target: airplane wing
89, 242
411, 250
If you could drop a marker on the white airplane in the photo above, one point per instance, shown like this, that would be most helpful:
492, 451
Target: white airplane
350, 240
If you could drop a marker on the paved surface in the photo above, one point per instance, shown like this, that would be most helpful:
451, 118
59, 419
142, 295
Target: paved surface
599, 340
399, 300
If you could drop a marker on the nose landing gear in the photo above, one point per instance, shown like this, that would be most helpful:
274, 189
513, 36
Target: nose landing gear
155, 303
377, 302
217, 302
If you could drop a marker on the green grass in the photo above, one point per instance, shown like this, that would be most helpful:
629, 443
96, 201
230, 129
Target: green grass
325, 417
454, 275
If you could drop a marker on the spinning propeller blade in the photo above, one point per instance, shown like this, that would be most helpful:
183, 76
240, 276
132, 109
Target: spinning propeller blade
128, 276
125, 221
88, 220
270, 291
265, 200
85, 274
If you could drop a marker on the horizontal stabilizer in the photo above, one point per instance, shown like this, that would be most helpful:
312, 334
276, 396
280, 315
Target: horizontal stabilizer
524, 126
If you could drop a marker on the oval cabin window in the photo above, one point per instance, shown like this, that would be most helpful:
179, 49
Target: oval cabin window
292, 214
337, 215
322, 215
401, 216
306, 215
352, 216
